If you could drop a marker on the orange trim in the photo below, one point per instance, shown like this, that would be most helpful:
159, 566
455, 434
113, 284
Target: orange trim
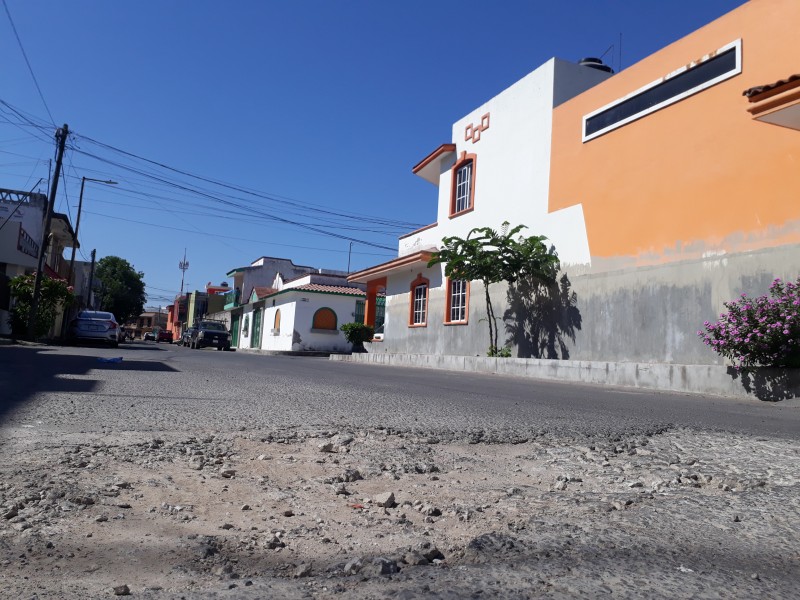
774, 103
421, 229
790, 85
448, 305
441, 150
383, 269
420, 280
371, 303
463, 160
276, 323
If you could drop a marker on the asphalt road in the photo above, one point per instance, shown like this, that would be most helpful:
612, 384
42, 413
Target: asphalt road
166, 387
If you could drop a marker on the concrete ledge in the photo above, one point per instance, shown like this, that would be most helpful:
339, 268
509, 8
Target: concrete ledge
281, 352
717, 380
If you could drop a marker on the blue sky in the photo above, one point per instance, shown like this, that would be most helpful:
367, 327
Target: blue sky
312, 111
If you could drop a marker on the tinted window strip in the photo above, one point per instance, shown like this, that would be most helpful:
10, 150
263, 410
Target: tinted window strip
675, 86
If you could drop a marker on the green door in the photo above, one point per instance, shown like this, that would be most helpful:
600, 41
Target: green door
255, 339
235, 331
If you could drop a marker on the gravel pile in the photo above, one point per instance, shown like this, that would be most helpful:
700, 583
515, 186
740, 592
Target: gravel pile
389, 513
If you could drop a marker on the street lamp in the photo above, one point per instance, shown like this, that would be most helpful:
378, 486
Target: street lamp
78, 221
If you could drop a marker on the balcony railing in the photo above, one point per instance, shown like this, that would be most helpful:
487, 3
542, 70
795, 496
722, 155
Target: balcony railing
231, 299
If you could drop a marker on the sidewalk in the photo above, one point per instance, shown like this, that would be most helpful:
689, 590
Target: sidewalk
716, 380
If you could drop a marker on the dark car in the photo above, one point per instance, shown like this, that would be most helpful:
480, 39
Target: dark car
186, 338
164, 335
96, 326
212, 334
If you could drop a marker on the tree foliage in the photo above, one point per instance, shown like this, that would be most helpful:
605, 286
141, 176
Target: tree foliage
122, 288
492, 257
53, 293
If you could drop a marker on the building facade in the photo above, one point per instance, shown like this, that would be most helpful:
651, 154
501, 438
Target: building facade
666, 189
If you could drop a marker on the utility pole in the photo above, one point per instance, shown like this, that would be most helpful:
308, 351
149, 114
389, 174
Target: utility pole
349, 252
91, 281
78, 220
61, 136
75, 236
183, 266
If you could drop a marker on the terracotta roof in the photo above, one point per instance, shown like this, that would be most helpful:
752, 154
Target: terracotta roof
401, 263
328, 289
760, 89
263, 292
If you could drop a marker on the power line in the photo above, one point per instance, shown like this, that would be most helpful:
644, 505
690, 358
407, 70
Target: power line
215, 235
27, 62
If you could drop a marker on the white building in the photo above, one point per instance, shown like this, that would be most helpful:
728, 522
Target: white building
496, 168
300, 315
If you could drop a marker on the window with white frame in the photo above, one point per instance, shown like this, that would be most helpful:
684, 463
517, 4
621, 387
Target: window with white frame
717, 66
420, 311
463, 197
457, 301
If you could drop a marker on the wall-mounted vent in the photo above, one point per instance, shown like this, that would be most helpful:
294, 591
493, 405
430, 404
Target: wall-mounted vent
686, 81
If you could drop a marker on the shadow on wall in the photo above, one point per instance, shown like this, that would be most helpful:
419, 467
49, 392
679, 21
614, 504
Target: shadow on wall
541, 317
769, 384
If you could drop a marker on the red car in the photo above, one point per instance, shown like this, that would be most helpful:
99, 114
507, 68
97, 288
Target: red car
164, 335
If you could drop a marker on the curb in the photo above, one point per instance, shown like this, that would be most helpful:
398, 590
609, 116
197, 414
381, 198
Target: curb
769, 384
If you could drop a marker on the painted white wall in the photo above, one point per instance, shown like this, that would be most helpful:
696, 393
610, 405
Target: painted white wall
308, 340
282, 340
297, 314
512, 174
28, 217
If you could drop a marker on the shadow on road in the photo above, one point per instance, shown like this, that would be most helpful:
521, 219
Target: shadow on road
26, 370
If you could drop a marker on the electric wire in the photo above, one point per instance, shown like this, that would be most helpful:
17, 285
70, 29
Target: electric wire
27, 62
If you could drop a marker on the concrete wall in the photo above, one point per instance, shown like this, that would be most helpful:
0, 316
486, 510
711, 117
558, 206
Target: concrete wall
761, 384
649, 314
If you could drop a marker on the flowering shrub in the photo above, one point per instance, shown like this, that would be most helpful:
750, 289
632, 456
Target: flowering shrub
763, 331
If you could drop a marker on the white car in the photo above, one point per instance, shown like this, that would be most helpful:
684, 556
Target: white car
97, 326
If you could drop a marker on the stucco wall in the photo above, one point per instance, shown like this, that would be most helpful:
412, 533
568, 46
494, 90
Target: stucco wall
512, 164
649, 314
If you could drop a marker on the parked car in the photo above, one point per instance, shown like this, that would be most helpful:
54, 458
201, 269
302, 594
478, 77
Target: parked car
149, 336
164, 335
97, 326
210, 334
186, 338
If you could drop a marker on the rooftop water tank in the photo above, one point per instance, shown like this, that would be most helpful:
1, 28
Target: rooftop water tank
595, 63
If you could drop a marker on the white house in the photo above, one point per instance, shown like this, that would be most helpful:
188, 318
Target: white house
495, 169
300, 315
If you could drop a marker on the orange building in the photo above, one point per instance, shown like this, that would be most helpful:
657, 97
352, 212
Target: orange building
687, 168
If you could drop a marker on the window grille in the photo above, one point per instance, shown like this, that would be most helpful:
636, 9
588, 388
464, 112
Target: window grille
463, 188
420, 304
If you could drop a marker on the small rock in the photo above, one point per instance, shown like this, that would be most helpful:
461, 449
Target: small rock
415, 558
353, 566
304, 570
122, 590
288, 513
326, 447
385, 499
737, 518
245, 507
228, 473
340, 489
227, 526
101, 519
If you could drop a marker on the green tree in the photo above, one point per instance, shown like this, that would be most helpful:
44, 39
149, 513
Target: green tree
492, 257
53, 293
122, 288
